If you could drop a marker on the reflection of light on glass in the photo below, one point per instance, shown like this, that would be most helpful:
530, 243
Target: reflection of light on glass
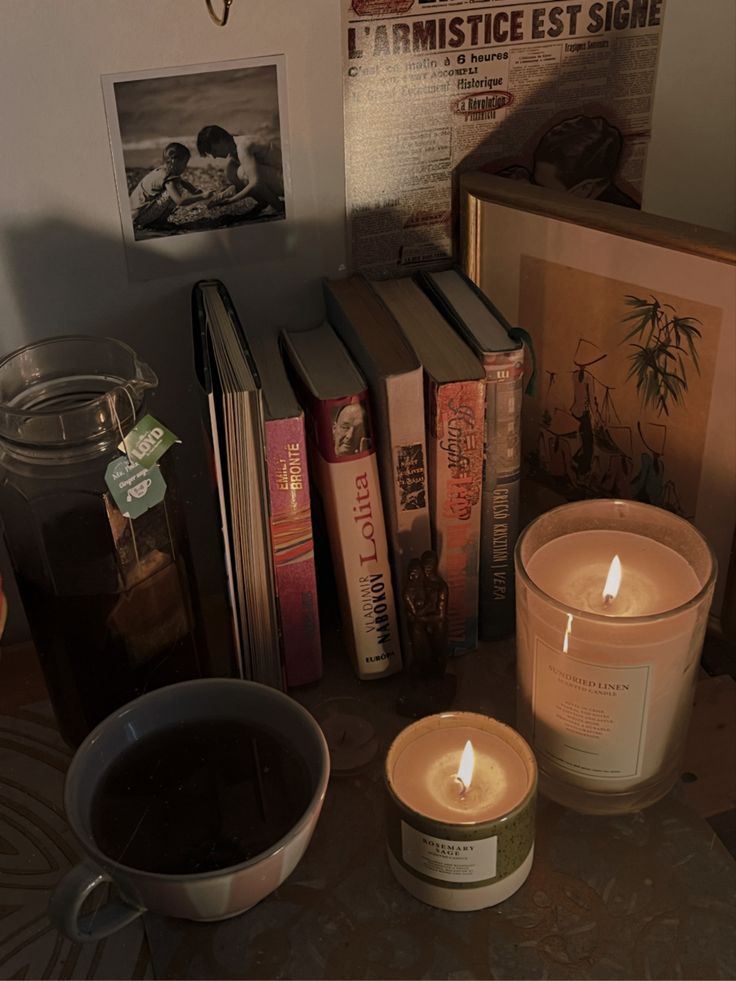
568, 631
464, 774
613, 581
131, 732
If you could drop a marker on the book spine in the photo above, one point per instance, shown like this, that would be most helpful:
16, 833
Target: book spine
402, 462
407, 437
455, 445
351, 495
293, 549
501, 482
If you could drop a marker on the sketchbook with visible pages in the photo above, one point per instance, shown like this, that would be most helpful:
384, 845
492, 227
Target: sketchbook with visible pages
231, 389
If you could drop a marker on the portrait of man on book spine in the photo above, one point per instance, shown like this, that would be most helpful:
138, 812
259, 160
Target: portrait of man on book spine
344, 429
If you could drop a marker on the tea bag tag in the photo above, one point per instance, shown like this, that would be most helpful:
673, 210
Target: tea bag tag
147, 442
134, 488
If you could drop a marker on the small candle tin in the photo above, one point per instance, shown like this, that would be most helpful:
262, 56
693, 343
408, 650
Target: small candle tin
478, 859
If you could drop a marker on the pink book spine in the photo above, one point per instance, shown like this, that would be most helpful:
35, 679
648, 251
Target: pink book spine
293, 549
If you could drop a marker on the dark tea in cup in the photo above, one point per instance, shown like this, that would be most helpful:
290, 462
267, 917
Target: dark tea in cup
196, 800
199, 796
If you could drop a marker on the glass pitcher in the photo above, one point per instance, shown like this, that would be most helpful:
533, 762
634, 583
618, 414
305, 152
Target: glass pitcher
107, 597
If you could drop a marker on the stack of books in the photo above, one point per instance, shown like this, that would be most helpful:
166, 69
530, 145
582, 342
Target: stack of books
401, 412
342, 442
454, 416
501, 352
395, 382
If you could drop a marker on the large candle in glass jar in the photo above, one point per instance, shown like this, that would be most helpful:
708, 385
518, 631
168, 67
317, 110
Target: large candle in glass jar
461, 795
612, 604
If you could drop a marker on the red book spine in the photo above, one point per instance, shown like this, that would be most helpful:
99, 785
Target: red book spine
455, 445
293, 549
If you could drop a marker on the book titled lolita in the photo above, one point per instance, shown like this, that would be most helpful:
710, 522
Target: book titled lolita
344, 466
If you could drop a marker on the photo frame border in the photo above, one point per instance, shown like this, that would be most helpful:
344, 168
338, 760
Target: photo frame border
181, 254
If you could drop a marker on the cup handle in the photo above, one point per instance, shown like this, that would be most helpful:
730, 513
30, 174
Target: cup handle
67, 900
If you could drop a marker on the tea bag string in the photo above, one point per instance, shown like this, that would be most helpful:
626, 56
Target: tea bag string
116, 419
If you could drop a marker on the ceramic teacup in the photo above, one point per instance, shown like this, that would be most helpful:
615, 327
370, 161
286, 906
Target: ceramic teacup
210, 895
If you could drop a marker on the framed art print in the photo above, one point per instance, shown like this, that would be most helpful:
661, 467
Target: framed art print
633, 323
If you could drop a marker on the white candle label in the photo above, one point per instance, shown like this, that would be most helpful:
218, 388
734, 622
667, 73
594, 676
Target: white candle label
589, 719
452, 861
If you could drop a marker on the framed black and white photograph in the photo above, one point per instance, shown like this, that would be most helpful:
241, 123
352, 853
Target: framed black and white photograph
196, 150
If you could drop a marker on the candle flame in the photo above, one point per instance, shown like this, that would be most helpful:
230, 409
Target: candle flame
613, 581
568, 631
467, 765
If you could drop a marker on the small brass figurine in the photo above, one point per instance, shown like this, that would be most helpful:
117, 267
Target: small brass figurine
427, 686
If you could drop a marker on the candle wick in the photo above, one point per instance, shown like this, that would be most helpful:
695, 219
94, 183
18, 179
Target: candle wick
463, 788
607, 600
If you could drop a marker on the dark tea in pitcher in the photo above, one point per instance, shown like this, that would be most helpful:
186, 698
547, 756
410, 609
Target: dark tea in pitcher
107, 596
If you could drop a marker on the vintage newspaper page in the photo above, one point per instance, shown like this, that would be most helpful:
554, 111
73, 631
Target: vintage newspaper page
556, 94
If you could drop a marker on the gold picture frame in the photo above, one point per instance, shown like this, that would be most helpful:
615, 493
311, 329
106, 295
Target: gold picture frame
633, 322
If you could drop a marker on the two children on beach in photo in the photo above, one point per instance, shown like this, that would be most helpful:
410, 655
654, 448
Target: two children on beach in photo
252, 170
155, 198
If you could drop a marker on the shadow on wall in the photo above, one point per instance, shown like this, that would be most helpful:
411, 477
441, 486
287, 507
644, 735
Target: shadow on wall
578, 148
72, 279
578, 151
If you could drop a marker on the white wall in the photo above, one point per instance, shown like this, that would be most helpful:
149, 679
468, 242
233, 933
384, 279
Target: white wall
62, 266
60, 226
691, 171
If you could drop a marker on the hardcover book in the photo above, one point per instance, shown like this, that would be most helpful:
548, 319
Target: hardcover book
290, 516
454, 409
396, 385
345, 469
489, 334
231, 386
